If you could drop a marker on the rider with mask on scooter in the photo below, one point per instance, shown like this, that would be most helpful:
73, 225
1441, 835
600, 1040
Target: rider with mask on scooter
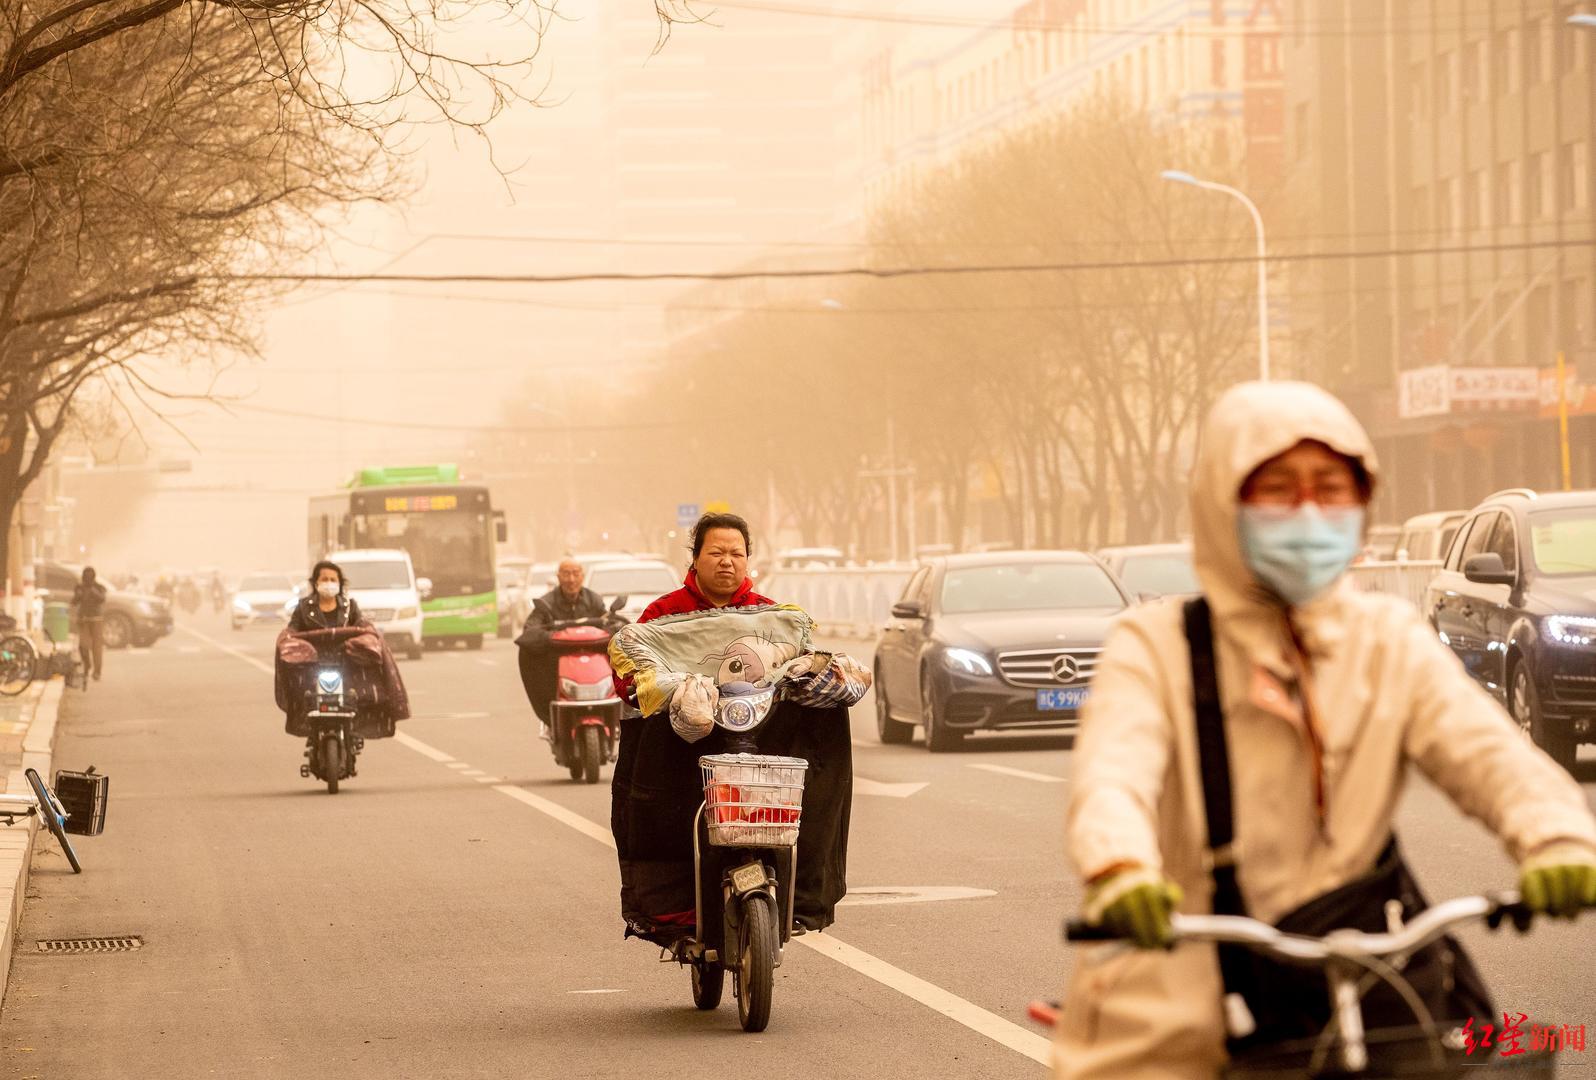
1325, 696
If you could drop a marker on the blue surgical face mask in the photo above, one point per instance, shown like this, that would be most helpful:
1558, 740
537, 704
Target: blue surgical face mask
1301, 552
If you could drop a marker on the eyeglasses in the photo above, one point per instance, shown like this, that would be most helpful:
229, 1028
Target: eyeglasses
1288, 493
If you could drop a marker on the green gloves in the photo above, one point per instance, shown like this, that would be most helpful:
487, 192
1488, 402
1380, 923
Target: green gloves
1135, 903
1559, 880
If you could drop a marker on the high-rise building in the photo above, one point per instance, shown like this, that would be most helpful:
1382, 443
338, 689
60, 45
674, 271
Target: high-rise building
940, 85
1440, 153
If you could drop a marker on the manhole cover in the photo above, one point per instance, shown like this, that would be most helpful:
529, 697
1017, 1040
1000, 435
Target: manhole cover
91, 944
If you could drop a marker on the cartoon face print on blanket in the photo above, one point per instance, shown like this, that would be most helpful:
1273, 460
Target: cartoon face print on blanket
711, 649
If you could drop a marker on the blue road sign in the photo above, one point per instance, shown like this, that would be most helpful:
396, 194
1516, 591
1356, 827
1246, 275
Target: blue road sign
686, 515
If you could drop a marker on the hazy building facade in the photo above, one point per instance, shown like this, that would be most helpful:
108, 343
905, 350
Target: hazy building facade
928, 95
1447, 143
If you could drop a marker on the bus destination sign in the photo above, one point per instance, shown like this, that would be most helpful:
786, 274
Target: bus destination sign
416, 504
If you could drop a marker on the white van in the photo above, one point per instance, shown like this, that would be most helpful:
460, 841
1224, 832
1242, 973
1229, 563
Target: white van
383, 582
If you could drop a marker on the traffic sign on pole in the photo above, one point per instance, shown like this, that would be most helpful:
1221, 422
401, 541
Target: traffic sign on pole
686, 515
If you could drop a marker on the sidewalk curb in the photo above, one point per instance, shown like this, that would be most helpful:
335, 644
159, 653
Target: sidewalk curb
16, 843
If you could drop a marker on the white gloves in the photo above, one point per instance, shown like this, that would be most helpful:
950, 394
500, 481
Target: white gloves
693, 707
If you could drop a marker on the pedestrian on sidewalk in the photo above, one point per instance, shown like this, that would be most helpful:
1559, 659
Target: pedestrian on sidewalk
88, 602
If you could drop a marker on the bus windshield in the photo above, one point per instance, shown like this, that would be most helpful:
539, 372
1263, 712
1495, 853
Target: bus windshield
453, 548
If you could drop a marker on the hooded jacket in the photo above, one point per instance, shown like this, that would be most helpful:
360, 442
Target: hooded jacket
1314, 788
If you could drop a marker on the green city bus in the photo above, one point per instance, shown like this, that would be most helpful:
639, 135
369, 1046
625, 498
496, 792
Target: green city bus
448, 528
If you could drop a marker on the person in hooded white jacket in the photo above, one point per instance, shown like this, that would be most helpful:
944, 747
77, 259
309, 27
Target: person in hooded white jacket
1329, 694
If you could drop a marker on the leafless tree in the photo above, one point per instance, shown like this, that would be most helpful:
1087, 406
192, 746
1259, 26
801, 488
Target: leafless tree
152, 149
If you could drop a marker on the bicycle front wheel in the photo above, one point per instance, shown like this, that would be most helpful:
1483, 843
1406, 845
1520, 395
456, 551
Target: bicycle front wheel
54, 817
18, 664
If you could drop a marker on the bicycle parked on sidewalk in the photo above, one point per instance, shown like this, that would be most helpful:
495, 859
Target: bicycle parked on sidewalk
1352, 961
19, 660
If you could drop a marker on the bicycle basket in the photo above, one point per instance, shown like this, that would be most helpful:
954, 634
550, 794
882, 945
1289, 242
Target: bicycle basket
753, 800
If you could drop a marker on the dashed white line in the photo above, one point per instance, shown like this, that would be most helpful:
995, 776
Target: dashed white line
1041, 778
459, 765
422, 748
933, 997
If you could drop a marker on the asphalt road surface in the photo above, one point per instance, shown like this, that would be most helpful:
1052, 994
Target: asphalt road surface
453, 911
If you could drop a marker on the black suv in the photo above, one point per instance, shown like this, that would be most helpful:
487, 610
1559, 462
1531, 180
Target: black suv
130, 619
1515, 599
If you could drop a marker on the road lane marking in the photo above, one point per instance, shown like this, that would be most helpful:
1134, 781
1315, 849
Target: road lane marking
485, 662
933, 997
487, 779
1021, 773
459, 764
865, 786
872, 895
422, 748
994, 1027
595, 991
229, 650
473, 772
559, 813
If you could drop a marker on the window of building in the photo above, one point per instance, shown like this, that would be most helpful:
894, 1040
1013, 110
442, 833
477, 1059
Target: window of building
1475, 73
1542, 202
1420, 208
1419, 83
1299, 120
1573, 325
1575, 182
1537, 52
1477, 201
1451, 198
1504, 61
1506, 201
1446, 82
1539, 332
1570, 41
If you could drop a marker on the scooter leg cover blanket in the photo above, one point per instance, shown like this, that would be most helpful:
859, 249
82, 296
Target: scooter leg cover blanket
656, 792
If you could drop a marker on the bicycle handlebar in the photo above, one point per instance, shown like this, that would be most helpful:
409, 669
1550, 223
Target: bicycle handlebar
1423, 928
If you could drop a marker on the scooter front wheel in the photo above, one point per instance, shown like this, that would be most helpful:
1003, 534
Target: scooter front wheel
592, 754
708, 982
332, 762
756, 966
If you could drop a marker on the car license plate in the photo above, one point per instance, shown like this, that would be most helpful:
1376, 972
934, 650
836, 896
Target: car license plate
748, 877
1056, 700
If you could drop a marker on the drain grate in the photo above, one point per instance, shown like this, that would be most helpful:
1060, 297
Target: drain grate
91, 944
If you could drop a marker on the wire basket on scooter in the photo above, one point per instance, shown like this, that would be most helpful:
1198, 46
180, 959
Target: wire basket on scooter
753, 800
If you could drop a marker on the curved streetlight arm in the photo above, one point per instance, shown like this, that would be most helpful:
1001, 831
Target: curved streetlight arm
1180, 177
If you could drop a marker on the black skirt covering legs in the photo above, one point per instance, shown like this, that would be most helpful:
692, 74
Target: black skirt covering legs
656, 793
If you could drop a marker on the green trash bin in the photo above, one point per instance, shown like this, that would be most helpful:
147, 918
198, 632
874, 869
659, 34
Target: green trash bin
57, 621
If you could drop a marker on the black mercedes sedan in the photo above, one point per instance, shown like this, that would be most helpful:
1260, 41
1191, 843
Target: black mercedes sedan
1001, 640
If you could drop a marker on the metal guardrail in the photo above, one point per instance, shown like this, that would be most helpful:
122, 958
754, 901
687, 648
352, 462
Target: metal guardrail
842, 600
1406, 579
858, 600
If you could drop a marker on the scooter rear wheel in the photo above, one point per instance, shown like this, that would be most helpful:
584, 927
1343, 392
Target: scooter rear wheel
709, 980
757, 962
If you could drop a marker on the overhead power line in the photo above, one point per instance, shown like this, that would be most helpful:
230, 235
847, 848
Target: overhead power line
891, 272
414, 425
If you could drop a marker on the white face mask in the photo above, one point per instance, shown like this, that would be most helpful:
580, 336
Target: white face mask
329, 589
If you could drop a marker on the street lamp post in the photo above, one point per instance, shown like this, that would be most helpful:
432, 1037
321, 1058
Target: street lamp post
1180, 177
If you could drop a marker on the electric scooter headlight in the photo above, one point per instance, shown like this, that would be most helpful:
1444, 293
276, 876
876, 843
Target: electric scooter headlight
330, 681
571, 690
744, 709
